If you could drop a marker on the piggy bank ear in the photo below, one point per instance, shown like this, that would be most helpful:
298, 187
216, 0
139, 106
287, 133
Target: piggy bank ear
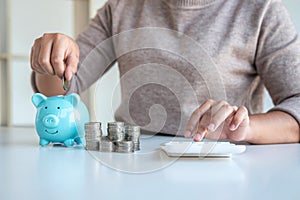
37, 99
73, 98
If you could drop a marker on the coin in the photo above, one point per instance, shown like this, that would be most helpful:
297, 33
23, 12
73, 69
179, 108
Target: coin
92, 145
124, 147
65, 83
106, 145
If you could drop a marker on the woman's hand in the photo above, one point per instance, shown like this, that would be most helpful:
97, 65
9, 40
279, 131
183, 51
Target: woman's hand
55, 54
218, 120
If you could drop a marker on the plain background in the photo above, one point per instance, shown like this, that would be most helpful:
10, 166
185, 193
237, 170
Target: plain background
28, 20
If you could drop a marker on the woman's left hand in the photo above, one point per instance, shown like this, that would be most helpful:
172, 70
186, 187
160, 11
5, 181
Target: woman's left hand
218, 120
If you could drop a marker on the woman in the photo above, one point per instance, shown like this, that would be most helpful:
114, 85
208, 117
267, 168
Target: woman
198, 65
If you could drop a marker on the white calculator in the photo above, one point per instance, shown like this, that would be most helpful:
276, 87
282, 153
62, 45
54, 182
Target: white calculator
201, 149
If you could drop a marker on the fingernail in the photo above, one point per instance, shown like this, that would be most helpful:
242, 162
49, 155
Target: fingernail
197, 137
70, 74
232, 127
211, 127
187, 134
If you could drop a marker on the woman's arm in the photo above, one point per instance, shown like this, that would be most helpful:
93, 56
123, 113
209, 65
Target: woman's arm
273, 127
48, 85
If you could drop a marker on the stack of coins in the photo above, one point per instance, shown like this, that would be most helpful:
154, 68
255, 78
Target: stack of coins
106, 145
124, 147
120, 138
93, 134
115, 131
132, 133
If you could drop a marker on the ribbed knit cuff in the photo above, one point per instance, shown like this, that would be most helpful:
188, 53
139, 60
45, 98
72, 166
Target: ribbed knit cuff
190, 3
33, 83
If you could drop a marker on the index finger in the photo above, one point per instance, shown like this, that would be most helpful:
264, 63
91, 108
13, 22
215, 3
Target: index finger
71, 66
197, 114
58, 56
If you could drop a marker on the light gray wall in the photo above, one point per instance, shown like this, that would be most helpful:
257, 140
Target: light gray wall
2, 25
294, 6
29, 20
2, 62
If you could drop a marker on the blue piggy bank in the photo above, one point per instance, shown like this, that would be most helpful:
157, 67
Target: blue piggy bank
60, 119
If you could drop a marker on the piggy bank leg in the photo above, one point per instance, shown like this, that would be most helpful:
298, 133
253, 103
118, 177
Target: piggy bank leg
69, 142
44, 142
78, 140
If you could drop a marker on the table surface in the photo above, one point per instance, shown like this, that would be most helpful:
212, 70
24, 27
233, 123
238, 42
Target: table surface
28, 171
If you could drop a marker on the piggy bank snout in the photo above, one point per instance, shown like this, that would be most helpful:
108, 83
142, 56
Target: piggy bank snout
50, 121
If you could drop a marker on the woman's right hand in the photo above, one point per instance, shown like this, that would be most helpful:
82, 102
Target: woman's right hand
55, 54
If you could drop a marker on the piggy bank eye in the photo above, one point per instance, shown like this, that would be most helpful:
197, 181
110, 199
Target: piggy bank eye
46, 107
58, 107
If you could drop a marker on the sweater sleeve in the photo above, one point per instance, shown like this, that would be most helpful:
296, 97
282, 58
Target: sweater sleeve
278, 59
96, 50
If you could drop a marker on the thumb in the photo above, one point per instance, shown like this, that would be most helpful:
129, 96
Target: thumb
71, 67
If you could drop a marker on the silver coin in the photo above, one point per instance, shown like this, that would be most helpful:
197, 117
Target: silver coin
93, 123
132, 128
92, 145
124, 147
115, 129
65, 83
94, 132
92, 138
106, 145
113, 124
92, 142
117, 138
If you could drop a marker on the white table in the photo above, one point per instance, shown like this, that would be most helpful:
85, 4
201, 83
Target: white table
28, 171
